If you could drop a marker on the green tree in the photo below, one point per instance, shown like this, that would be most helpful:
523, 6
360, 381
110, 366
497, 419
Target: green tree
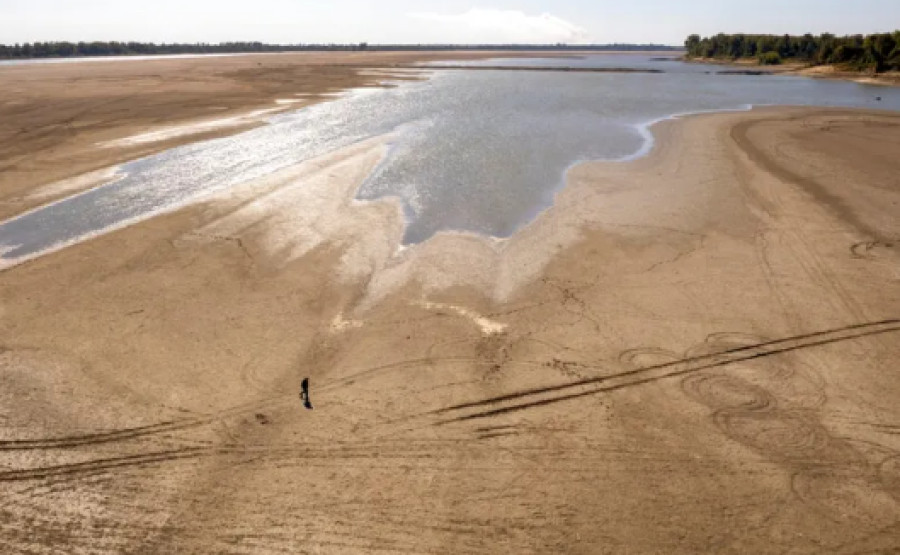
692, 45
769, 59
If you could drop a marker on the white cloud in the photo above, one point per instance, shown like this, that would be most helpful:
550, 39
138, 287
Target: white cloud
502, 26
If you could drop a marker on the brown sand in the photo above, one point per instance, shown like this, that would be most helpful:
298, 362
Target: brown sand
692, 352
887, 78
825, 71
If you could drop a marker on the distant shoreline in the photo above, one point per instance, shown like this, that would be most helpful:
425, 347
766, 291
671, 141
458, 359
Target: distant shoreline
823, 71
871, 59
66, 50
673, 54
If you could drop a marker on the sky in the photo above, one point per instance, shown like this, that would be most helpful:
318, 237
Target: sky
429, 21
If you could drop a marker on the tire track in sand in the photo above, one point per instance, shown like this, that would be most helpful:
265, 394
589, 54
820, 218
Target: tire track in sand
537, 397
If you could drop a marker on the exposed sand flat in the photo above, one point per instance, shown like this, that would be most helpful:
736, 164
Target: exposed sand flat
169, 133
73, 184
695, 351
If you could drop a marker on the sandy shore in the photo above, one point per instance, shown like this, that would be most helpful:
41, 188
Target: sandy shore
694, 351
825, 71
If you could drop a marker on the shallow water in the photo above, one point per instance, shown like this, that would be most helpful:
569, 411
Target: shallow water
481, 151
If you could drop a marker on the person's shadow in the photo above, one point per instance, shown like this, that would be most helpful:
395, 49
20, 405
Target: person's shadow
304, 393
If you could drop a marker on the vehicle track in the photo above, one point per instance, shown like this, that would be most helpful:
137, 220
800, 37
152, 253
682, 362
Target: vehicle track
513, 402
124, 434
97, 466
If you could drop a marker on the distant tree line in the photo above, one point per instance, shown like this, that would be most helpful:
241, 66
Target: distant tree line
877, 52
96, 48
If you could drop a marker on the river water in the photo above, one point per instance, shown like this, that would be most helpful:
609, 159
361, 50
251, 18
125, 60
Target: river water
481, 151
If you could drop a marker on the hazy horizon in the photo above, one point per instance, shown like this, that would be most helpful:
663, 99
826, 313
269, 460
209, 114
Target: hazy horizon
430, 22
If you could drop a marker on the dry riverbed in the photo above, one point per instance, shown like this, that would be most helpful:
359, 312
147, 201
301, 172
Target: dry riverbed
694, 351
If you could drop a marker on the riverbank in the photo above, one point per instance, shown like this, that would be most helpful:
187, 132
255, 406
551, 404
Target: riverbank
691, 351
824, 71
